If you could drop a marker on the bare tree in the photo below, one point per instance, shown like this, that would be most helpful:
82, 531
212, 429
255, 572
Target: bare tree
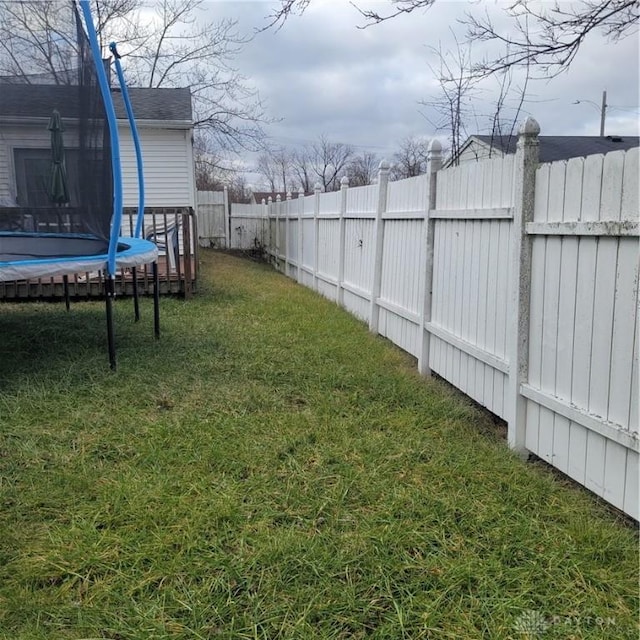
38, 38
362, 169
505, 117
411, 158
546, 35
180, 48
461, 91
266, 167
173, 47
283, 161
457, 88
549, 35
324, 161
275, 166
301, 168
215, 172
329, 161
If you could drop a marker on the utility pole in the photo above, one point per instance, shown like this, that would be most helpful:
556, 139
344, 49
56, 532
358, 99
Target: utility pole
603, 111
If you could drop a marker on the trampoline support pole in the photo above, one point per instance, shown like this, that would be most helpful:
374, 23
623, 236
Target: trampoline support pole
110, 293
156, 301
136, 300
65, 281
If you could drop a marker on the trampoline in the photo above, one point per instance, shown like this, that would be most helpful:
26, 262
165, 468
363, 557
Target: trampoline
68, 216
29, 255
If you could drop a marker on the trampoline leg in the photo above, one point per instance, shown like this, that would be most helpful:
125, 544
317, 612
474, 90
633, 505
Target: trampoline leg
156, 301
109, 290
67, 302
136, 300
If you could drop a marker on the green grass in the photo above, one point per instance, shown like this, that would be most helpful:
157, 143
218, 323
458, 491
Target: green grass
271, 470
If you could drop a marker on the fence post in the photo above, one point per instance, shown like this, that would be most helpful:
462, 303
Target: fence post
273, 238
524, 182
316, 235
265, 216
344, 186
434, 160
277, 215
186, 240
286, 233
383, 183
300, 214
227, 219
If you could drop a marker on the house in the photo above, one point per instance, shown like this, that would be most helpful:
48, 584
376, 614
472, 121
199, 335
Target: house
165, 125
258, 196
551, 148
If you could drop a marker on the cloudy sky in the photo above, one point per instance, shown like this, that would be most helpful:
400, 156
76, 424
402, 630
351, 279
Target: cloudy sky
321, 75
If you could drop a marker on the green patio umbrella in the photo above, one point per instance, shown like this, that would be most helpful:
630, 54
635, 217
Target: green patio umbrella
58, 188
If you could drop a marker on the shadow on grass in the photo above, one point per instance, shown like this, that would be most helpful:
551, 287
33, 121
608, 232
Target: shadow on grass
44, 344
44, 337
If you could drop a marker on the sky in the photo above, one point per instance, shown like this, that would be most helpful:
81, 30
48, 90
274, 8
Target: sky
321, 75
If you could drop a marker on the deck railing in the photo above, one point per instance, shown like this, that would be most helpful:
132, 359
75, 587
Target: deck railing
172, 228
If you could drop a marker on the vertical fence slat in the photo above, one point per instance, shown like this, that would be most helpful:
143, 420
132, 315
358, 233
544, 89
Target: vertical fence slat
592, 188
612, 177
630, 204
573, 191
623, 334
604, 296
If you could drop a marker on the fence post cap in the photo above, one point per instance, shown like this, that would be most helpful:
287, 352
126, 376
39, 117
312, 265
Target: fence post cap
317, 187
384, 166
344, 181
435, 146
300, 192
529, 127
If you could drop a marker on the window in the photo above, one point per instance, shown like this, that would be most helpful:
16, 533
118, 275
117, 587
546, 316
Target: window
33, 175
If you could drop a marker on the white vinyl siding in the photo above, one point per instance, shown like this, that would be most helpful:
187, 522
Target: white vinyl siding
167, 156
168, 167
474, 151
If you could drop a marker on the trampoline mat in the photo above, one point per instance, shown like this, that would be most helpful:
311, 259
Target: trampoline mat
19, 247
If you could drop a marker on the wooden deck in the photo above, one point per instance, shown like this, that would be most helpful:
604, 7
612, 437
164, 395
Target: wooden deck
181, 281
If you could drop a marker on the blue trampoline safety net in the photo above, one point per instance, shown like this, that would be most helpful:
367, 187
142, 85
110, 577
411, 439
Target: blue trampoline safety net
61, 203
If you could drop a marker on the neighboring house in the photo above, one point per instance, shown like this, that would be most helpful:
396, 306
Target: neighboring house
552, 148
258, 196
165, 125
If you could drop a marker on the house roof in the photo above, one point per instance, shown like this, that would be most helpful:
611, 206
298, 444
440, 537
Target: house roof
554, 148
259, 196
37, 101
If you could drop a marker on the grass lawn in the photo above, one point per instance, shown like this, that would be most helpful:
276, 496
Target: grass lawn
270, 470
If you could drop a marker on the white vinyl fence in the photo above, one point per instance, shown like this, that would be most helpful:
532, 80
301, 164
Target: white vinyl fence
514, 281
213, 226
249, 226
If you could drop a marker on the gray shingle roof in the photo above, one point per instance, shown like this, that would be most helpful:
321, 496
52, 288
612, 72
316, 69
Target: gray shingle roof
31, 101
259, 196
156, 104
554, 148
